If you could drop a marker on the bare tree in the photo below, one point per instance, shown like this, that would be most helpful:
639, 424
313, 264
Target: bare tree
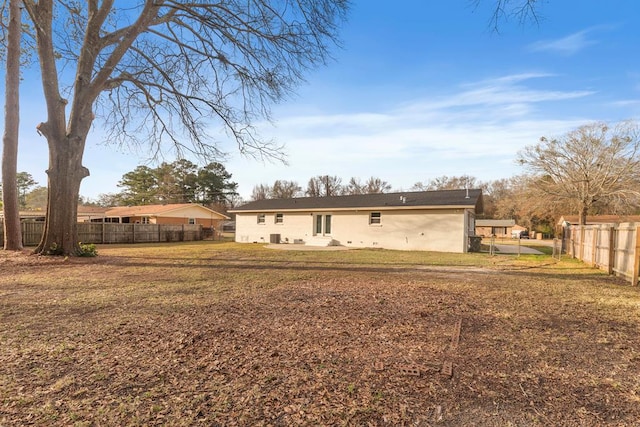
376, 185
283, 189
159, 72
324, 186
314, 188
595, 163
371, 186
261, 192
353, 187
502, 10
109, 199
494, 192
10, 204
447, 183
234, 200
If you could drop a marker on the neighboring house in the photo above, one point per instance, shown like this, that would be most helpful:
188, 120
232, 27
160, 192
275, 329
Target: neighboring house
27, 215
229, 226
91, 213
519, 231
85, 214
495, 227
427, 220
567, 220
185, 213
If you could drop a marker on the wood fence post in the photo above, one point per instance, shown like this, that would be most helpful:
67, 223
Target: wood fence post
581, 249
636, 259
612, 250
594, 246
570, 242
133, 234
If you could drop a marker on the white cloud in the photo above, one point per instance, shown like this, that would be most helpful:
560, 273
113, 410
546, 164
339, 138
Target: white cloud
503, 93
476, 130
626, 103
569, 45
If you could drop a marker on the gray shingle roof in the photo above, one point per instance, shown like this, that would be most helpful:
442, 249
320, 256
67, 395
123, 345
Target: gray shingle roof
404, 200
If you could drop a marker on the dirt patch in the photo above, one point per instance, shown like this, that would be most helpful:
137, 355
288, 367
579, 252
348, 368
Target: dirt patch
188, 338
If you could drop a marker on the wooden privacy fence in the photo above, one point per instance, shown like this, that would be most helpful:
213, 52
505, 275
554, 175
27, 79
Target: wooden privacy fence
94, 232
614, 248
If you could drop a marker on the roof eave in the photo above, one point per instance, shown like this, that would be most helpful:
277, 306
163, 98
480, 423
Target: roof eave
358, 208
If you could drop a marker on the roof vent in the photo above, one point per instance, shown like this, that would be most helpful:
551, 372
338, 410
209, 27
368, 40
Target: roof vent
403, 199
467, 196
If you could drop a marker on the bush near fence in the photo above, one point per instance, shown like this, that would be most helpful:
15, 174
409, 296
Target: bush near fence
614, 248
93, 232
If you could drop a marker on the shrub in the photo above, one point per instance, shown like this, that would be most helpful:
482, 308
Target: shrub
88, 250
54, 249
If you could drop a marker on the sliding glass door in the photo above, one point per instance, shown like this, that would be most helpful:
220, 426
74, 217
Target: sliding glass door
322, 225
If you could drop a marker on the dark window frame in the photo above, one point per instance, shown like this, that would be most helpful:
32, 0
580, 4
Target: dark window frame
375, 218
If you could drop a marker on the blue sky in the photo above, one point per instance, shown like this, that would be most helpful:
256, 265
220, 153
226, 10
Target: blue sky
422, 89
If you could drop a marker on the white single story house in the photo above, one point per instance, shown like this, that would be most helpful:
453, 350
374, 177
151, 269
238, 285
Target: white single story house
425, 220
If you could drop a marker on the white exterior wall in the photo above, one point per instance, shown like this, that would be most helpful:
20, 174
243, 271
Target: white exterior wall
442, 230
430, 230
294, 226
191, 212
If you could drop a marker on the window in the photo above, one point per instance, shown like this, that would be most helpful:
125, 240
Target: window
279, 218
260, 218
144, 220
375, 217
192, 221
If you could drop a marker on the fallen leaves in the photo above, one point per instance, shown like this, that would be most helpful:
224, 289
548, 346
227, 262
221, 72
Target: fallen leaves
152, 342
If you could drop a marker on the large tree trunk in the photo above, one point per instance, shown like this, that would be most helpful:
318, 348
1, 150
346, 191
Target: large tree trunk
582, 218
65, 175
66, 140
12, 229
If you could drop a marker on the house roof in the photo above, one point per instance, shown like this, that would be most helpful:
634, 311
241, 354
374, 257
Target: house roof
155, 210
599, 219
495, 222
92, 210
383, 201
123, 211
27, 214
